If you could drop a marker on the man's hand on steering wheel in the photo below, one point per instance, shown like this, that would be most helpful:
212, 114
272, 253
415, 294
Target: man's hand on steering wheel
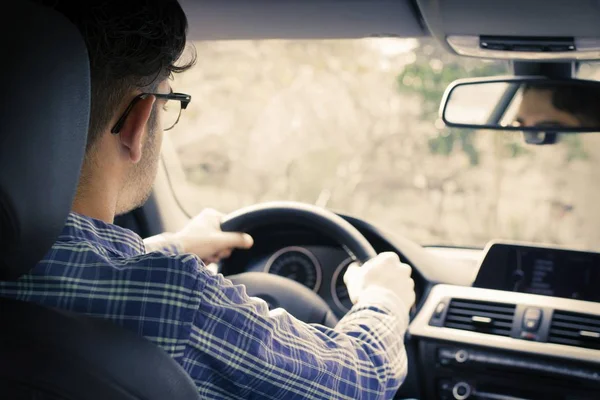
203, 237
383, 275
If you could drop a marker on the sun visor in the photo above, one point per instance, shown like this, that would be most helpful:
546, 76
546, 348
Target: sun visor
516, 29
301, 19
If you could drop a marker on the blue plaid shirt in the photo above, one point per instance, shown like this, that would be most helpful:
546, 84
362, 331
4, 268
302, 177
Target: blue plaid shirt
230, 344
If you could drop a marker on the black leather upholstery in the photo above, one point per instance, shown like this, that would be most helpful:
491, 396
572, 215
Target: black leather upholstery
44, 353
44, 111
65, 356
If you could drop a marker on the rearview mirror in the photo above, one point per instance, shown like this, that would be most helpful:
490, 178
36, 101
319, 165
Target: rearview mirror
528, 104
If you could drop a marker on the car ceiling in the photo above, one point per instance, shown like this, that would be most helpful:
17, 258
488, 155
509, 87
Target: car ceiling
514, 18
328, 19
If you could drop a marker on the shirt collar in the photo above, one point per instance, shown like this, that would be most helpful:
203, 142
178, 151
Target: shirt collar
109, 236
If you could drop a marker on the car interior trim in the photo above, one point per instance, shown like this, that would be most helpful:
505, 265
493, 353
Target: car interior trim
334, 278
333, 19
420, 326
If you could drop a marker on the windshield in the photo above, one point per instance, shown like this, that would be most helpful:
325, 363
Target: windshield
352, 125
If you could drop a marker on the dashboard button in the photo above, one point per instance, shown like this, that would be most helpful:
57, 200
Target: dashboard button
461, 391
447, 353
445, 386
445, 390
446, 356
532, 319
439, 310
461, 356
528, 336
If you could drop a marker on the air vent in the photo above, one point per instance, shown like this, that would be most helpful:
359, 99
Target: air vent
581, 330
480, 316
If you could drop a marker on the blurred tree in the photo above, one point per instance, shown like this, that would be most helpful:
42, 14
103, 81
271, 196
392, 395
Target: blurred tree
428, 76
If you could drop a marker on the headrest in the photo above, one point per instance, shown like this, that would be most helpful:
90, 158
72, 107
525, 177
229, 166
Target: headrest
44, 113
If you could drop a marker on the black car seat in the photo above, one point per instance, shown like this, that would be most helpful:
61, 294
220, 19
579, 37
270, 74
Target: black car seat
44, 353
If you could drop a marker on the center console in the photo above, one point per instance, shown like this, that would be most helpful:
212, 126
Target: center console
529, 330
471, 372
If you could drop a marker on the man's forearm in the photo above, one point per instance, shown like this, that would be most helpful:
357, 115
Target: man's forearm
378, 323
265, 353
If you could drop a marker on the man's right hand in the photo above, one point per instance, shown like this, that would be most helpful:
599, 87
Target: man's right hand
384, 272
203, 237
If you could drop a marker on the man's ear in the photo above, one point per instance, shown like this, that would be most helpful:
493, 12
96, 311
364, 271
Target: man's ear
134, 130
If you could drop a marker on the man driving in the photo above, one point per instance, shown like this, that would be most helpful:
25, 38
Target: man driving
230, 344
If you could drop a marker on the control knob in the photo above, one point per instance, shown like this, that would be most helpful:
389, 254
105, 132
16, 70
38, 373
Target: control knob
461, 391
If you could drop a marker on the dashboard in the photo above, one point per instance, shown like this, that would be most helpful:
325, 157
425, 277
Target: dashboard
321, 269
527, 328
511, 321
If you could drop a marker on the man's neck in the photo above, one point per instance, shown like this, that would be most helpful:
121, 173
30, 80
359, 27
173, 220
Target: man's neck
93, 207
96, 199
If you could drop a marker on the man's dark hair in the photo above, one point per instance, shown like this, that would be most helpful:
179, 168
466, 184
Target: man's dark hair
579, 99
131, 44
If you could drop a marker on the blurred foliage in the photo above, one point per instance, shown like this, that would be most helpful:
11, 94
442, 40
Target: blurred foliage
575, 148
515, 149
428, 77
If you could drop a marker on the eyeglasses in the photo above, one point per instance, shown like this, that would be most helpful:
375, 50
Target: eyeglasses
174, 103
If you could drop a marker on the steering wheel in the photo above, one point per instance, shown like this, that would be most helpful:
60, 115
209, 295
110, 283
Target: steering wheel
278, 291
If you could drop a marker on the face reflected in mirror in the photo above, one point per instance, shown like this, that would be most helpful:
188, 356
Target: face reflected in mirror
565, 106
537, 109
538, 104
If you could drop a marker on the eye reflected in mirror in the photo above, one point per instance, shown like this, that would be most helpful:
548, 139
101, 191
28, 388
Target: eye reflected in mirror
524, 104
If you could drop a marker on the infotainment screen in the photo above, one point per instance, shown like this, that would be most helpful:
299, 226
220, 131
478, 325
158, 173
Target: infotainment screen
544, 271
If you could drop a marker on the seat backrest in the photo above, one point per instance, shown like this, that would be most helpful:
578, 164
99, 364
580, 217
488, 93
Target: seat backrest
48, 354
44, 115
44, 353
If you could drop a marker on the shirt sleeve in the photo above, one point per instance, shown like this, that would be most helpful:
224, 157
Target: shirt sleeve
163, 243
237, 348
